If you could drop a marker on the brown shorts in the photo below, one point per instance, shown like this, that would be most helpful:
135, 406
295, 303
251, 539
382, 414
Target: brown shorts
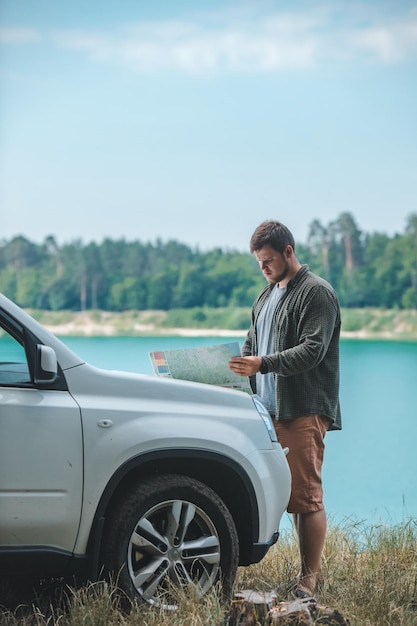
304, 436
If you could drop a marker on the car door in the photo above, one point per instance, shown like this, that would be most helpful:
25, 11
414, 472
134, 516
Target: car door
41, 461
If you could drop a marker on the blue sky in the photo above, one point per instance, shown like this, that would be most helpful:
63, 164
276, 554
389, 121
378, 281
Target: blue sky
196, 120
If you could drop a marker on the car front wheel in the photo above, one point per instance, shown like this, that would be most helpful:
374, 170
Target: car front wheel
170, 531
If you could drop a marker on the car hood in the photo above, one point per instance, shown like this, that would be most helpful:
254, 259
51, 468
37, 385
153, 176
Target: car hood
88, 380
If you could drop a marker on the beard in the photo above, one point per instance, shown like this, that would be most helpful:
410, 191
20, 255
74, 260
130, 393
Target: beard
277, 278
284, 274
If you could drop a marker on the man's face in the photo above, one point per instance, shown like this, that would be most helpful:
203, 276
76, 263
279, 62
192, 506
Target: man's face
273, 264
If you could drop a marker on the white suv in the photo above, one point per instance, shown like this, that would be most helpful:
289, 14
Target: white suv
149, 480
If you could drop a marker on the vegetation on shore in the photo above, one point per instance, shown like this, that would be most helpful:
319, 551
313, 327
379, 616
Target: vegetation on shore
366, 270
369, 576
368, 323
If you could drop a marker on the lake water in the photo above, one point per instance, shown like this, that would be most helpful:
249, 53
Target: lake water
370, 467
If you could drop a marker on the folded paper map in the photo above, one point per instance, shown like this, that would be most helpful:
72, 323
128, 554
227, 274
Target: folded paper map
208, 364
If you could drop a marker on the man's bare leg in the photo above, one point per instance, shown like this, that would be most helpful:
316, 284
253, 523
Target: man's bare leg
311, 529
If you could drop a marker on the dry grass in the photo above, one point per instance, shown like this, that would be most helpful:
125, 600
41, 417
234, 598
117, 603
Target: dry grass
369, 575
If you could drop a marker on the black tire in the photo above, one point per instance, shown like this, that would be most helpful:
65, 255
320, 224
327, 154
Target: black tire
170, 530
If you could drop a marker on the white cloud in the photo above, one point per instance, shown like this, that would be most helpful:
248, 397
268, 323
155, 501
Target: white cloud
97, 46
234, 42
389, 43
270, 45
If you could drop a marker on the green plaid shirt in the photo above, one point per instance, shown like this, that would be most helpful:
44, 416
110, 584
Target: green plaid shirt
306, 348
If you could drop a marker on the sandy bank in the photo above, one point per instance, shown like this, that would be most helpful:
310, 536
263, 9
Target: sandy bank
377, 324
108, 330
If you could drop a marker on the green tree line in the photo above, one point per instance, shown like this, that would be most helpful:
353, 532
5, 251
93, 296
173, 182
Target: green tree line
366, 269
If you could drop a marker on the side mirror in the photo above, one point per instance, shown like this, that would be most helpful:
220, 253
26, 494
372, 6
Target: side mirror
46, 369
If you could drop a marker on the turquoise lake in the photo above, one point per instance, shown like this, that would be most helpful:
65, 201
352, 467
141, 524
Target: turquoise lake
370, 467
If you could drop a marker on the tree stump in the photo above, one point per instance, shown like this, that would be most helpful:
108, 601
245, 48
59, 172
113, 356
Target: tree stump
251, 608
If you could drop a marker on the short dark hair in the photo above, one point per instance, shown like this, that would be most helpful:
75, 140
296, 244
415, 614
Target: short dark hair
274, 234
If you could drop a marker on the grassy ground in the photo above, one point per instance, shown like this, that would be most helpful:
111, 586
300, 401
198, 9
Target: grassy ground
370, 577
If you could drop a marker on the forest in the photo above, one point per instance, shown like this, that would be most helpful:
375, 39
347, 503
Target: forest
366, 269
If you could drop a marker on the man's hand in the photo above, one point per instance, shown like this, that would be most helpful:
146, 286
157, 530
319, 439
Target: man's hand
245, 365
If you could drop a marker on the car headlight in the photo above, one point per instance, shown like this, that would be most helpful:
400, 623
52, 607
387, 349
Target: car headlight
265, 416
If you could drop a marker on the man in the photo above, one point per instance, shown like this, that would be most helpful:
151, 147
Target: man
291, 354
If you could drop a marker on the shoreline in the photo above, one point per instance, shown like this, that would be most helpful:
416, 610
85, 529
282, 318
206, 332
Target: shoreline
390, 325
108, 330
